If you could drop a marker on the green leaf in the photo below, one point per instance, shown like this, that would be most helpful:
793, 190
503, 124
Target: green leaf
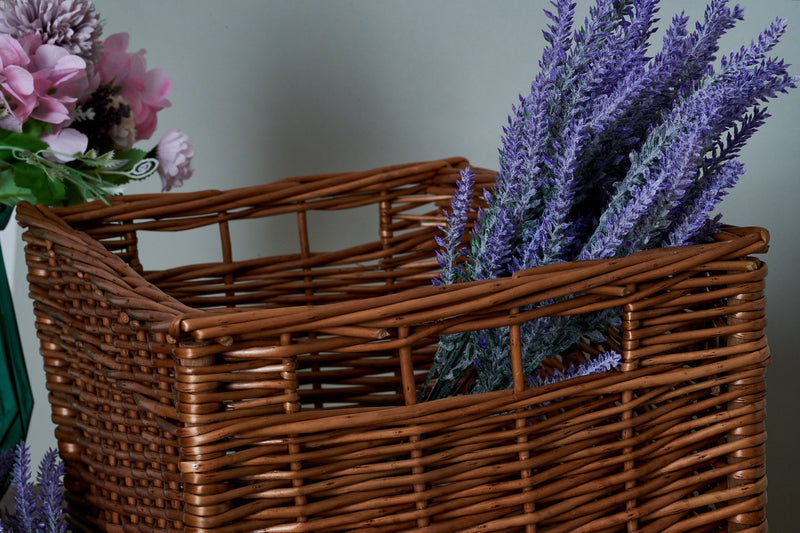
92, 160
132, 156
46, 190
24, 141
35, 128
10, 192
114, 178
74, 195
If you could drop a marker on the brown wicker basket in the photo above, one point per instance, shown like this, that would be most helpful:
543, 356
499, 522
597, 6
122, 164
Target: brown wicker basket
279, 394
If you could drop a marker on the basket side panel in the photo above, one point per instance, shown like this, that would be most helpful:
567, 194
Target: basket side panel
697, 430
407, 201
111, 386
674, 442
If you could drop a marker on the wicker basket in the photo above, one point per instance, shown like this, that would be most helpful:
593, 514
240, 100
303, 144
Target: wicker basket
279, 394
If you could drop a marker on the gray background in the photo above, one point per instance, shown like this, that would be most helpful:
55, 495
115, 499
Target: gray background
270, 89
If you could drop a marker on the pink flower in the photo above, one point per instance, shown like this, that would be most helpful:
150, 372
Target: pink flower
39, 81
12, 52
16, 84
64, 144
59, 79
174, 159
72, 24
144, 90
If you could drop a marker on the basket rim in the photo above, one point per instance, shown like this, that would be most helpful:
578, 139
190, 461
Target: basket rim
409, 306
211, 201
443, 308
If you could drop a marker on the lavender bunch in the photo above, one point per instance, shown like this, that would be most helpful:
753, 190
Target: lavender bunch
611, 152
38, 507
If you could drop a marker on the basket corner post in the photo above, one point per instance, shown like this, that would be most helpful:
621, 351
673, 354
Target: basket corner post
747, 480
202, 500
629, 343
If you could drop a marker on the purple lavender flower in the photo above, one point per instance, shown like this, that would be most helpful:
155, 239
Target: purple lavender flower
729, 147
611, 152
701, 46
757, 50
451, 247
661, 173
639, 209
24, 518
535, 178
50, 497
37, 507
491, 258
559, 35
555, 219
526, 136
604, 362
693, 220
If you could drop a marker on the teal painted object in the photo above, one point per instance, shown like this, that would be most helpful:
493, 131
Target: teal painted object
16, 399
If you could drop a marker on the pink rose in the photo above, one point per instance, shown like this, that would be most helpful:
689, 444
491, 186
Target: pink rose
144, 90
174, 159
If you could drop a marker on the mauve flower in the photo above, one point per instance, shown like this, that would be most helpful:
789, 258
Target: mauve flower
8, 120
71, 24
144, 90
16, 84
12, 52
42, 81
174, 154
64, 144
59, 79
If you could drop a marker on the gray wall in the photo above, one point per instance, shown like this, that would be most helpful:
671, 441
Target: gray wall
269, 89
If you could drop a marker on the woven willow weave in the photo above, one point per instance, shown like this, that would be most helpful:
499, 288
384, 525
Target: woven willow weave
278, 394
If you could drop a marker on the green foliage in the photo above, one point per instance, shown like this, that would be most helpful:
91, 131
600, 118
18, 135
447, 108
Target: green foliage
28, 171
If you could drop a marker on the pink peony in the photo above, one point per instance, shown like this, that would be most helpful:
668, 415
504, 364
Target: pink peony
144, 90
174, 159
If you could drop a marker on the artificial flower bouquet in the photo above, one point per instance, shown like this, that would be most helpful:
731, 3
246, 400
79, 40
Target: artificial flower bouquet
74, 106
